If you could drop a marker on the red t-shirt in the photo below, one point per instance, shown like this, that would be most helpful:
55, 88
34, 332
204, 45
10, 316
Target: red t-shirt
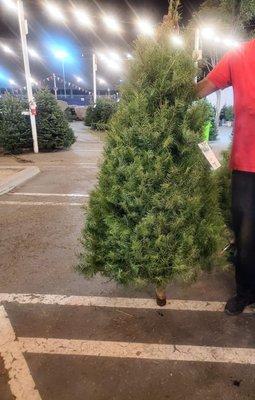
237, 69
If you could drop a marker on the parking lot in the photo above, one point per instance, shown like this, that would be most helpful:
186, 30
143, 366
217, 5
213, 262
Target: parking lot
63, 337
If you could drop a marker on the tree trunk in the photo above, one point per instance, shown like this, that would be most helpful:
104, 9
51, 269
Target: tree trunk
161, 296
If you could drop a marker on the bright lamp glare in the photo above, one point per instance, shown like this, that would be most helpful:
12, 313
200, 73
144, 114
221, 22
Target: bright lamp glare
113, 65
145, 27
114, 56
12, 82
7, 49
55, 12
34, 81
83, 18
111, 23
102, 56
217, 39
177, 40
231, 43
10, 5
102, 81
33, 53
207, 32
129, 56
61, 54
112, 60
78, 79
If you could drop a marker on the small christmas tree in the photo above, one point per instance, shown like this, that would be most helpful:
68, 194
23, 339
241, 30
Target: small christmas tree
15, 131
154, 215
53, 129
98, 116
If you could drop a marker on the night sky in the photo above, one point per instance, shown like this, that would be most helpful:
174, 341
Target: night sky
45, 33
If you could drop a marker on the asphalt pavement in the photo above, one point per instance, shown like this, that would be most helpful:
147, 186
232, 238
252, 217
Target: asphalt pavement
63, 337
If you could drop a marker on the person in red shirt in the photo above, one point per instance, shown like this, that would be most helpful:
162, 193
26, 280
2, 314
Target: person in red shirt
237, 69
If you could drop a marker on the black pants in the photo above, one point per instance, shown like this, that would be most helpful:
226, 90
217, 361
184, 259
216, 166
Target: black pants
243, 219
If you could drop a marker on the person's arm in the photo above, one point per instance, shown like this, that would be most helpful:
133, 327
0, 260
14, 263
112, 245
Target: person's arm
219, 78
205, 87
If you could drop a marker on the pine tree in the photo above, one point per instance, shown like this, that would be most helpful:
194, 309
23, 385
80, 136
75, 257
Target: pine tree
53, 130
154, 215
15, 131
52, 126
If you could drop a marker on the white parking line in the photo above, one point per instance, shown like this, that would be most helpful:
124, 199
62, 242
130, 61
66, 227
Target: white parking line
21, 383
49, 194
138, 350
38, 203
114, 302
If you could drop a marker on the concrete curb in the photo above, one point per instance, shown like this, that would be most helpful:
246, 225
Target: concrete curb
17, 179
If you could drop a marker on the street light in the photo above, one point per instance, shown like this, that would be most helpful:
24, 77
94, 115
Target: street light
208, 32
83, 18
112, 60
102, 81
94, 68
33, 53
10, 5
177, 40
7, 49
113, 65
111, 23
55, 12
145, 27
62, 56
23, 26
231, 43
78, 79
34, 82
114, 56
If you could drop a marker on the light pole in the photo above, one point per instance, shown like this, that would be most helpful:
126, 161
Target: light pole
55, 86
62, 55
94, 78
198, 55
64, 76
32, 106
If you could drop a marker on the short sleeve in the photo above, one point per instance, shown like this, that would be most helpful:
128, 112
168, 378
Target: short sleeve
220, 76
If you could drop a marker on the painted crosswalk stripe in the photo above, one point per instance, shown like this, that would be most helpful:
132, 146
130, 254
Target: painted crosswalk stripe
49, 194
138, 350
21, 383
114, 302
37, 203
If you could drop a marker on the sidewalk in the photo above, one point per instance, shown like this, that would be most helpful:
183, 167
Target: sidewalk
74, 339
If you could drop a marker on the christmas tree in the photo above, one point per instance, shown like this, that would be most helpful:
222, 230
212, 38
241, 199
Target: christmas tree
154, 215
53, 130
15, 131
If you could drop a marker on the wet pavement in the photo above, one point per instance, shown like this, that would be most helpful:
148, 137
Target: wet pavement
107, 351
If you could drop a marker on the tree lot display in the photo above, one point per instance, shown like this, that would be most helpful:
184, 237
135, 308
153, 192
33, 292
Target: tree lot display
154, 215
53, 130
98, 116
